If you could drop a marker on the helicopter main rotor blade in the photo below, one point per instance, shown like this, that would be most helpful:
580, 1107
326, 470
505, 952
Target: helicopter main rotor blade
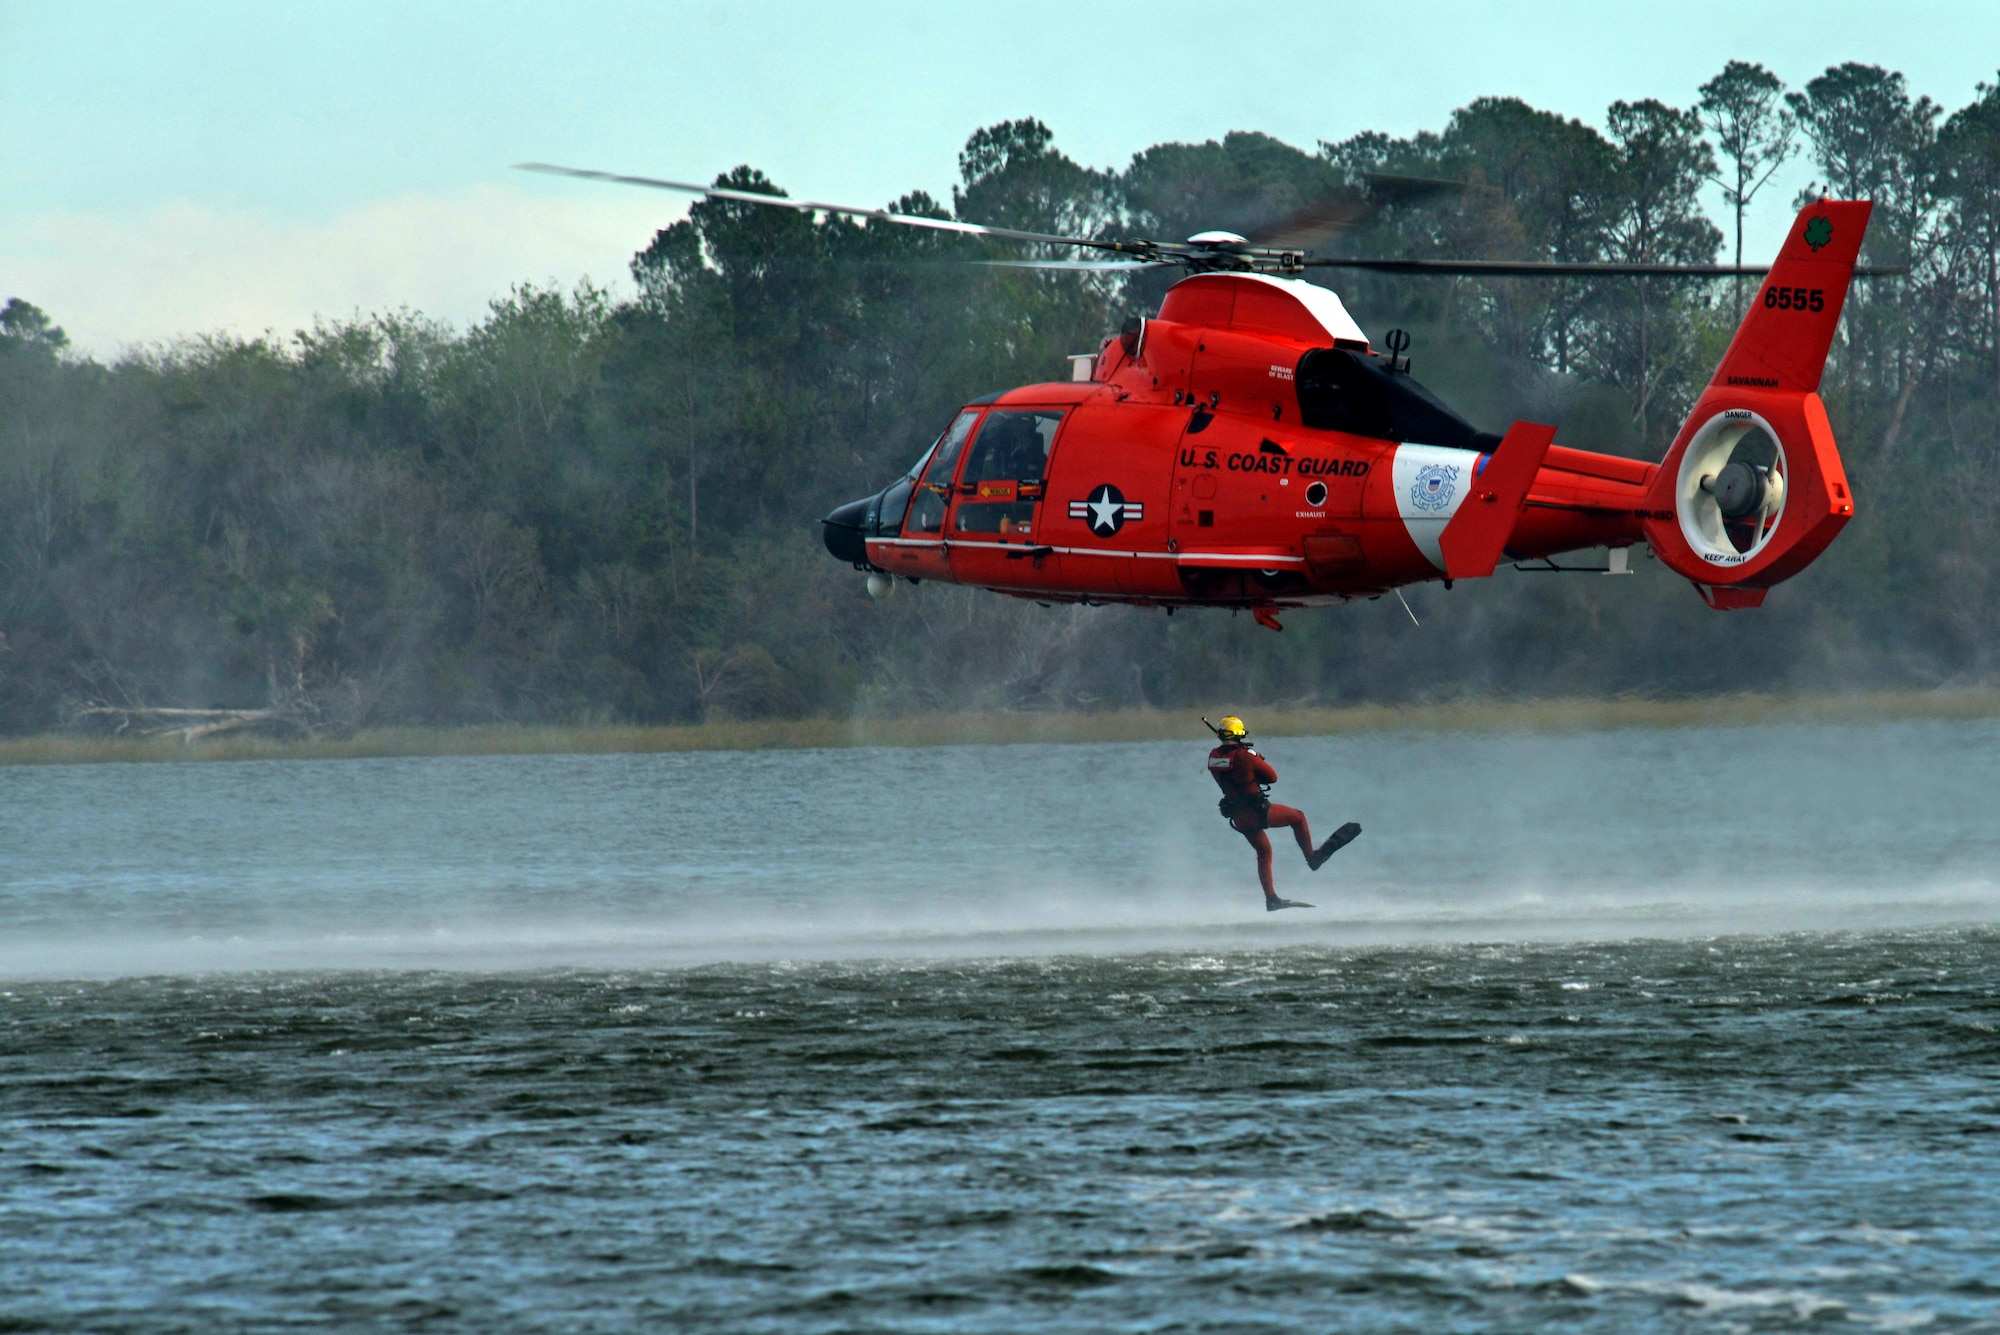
1072, 266
1560, 269
1308, 226
1250, 257
1398, 188
817, 206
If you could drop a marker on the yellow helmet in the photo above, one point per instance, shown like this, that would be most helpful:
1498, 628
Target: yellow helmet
1232, 729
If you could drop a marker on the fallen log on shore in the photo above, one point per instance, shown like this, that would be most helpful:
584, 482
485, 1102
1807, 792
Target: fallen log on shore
191, 724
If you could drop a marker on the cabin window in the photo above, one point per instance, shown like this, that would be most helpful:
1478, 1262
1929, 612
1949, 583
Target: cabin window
1004, 471
1340, 390
1015, 516
933, 495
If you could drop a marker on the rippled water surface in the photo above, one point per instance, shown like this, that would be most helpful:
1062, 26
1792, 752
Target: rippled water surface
1627, 1031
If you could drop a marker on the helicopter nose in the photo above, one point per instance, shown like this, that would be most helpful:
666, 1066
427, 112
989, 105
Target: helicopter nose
842, 532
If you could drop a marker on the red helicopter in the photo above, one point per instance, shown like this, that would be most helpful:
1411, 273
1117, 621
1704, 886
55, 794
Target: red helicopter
1249, 447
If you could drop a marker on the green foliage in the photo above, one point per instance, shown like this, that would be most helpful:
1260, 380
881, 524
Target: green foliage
26, 331
1743, 108
585, 510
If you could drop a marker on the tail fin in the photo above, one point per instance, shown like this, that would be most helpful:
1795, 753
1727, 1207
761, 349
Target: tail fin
1474, 538
1783, 340
1753, 488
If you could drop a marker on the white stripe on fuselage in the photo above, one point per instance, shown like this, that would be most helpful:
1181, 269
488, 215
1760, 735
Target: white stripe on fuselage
1253, 560
1425, 509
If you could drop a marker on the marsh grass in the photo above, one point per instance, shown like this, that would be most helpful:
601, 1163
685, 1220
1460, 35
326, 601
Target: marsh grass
1001, 729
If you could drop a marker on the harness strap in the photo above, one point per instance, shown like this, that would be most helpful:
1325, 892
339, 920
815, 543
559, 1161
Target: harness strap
1244, 804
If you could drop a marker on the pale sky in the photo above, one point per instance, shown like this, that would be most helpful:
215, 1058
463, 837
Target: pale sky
174, 168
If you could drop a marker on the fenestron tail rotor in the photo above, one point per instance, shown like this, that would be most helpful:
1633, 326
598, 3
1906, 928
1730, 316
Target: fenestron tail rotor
1272, 251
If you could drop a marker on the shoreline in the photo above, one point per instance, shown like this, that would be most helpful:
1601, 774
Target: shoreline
1131, 725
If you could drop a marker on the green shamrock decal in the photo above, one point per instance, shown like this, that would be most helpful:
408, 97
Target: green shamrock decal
1819, 231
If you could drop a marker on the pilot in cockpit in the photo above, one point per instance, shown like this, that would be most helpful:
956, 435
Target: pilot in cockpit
1016, 450
1028, 454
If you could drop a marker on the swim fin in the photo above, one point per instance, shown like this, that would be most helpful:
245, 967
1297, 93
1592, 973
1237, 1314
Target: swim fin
1273, 904
1336, 841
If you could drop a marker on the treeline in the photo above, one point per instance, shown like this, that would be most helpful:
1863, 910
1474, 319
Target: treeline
584, 509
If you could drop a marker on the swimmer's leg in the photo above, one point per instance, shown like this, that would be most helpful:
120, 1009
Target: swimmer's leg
1294, 819
1262, 843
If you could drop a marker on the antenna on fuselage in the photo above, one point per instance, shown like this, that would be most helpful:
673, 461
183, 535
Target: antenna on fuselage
1398, 342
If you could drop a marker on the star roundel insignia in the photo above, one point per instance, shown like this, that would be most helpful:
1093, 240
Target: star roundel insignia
1106, 510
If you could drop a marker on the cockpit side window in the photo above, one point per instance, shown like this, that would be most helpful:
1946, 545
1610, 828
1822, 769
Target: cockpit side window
934, 493
945, 457
1004, 470
1353, 392
1013, 445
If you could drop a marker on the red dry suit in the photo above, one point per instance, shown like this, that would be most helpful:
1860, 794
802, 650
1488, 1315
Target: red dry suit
1242, 775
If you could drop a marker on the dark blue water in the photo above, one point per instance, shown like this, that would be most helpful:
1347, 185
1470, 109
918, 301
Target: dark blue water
990, 1039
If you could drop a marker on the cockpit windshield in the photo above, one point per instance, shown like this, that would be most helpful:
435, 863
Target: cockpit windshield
1348, 391
887, 514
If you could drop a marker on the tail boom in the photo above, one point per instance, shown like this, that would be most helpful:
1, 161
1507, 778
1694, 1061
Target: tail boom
1581, 499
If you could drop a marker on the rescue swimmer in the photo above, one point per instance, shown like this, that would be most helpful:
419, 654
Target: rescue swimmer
1245, 779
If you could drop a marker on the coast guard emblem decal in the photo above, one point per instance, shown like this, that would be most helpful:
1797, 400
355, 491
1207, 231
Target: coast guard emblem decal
1434, 486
